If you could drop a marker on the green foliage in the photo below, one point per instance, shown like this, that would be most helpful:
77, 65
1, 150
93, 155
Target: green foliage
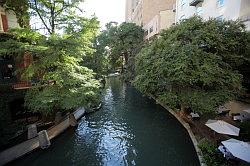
211, 156
18, 41
193, 64
58, 61
244, 68
8, 128
121, 43
60, 82
245, 130
55, 14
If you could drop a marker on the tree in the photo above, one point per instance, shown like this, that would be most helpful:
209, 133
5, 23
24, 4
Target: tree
98, 60
54, 14
60, 83
121, 43
193, 64
244, 68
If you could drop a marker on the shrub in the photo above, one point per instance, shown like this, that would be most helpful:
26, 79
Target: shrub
245, 130
211, 156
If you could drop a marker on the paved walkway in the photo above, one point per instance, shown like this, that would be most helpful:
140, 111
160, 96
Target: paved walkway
237, 106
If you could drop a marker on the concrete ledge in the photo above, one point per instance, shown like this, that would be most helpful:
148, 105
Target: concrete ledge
187, 127
28, 146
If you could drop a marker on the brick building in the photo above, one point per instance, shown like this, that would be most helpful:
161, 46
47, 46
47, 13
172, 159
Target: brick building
9, 64
153, 16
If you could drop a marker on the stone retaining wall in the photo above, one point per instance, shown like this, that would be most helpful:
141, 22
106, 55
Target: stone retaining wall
28, 146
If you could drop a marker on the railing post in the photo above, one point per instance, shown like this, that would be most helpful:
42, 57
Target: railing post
32, 131
44, 141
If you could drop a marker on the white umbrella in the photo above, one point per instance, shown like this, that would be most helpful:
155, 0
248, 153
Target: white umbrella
247, 111
238, 149
222, 127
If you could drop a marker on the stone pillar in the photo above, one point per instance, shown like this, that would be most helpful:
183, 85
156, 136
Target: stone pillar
44, 141
58, 118
32, 131
72, 120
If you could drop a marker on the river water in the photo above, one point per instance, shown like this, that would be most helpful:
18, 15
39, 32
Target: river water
128, 130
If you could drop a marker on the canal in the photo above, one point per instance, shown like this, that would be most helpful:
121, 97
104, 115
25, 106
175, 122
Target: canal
128, 130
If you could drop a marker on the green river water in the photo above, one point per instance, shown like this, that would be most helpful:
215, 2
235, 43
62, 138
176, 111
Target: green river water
128, 130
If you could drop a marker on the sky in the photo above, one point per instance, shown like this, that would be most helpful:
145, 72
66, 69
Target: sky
105, 10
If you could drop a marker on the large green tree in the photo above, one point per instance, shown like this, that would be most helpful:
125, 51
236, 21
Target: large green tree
59, 80
121, 43
194, 64
55, 14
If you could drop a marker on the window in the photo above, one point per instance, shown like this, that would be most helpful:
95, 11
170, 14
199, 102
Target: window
6, 69
219, 18
199, 10
220, 3
151, 29
1, 26
183, 2
4, 22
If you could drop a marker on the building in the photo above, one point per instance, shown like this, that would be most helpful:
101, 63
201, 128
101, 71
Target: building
245, 13
7, 20
219, 9
153, 16
9, 64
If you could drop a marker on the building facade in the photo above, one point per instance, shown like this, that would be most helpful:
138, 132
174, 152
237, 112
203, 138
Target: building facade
219, 9
7, 20
153, 16
9, 64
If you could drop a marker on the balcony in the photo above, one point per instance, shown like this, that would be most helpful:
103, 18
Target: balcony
195, 2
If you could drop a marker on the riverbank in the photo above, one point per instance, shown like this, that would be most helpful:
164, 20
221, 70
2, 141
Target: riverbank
187, 127
30, 145
202, 137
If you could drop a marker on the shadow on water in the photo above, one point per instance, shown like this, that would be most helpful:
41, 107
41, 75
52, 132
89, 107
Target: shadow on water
128, 130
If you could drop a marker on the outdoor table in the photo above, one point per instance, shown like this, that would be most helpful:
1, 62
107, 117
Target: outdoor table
223, 111
194, 115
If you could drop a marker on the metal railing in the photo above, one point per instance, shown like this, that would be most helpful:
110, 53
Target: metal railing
195, 2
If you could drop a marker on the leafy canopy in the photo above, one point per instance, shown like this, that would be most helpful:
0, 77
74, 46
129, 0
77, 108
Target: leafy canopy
193, 64
60, 82
120, 43
55, 14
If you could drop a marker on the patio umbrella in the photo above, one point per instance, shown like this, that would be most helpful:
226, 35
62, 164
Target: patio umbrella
247, 111
238, 149
222, 127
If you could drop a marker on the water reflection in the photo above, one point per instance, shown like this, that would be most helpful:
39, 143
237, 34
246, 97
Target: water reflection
128, 130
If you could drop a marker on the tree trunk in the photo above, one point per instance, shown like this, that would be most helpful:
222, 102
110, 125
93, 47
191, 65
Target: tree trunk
53, 18
183, 108
126, 58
